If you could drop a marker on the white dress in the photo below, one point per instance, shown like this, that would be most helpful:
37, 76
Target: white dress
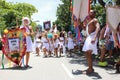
37, 40
45, 43
88, 45
56, 43
51, 46
70, 43
29, 42
61, 43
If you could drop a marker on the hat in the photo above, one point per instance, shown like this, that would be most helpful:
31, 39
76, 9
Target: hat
26, 18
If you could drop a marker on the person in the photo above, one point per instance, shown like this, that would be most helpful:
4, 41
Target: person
62, 43
117, 45
90, 45
102, 43
51, 45
70, 43
109, 41
56, 44
29, 33
45, 44
37, 41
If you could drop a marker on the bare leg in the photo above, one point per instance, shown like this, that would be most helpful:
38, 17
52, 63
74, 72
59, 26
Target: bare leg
102, 56
44, 52
56, 53
110, 53
38, 51
89, 60
60, 51
27, 58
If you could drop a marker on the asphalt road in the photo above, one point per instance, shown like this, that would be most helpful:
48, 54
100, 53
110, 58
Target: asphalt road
56, 69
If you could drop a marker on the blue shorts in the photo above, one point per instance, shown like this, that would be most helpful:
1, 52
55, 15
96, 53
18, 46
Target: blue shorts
110, 46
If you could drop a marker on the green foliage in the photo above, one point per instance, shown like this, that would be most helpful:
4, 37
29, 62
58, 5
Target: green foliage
11, 14
63, 15
100, 13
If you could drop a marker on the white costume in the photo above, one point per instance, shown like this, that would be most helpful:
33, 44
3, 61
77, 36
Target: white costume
70, 43
51, 46
88, 45
37, 40
56, 43
45, 43
62, 42
29, 43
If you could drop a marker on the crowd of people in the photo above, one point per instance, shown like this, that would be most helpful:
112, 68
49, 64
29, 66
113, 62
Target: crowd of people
54, 43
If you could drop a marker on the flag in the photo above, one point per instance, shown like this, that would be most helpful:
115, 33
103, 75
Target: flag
80, 11
81, 8
113, 17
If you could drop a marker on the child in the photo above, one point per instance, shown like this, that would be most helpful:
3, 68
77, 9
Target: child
51, 43
37, 41
45, 44
56, 44
62, 43
70, 43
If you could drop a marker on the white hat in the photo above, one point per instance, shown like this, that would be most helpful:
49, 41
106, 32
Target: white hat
26, 18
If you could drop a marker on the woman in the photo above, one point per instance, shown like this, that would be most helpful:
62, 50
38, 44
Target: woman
29, 33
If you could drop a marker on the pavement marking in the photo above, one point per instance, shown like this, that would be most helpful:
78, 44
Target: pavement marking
67, 71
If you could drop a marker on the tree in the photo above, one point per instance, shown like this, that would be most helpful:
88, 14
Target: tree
101, 10
63, 15
11, 14
103, 2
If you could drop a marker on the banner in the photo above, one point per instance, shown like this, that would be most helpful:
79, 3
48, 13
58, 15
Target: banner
47, 25
81, 9
14, 44
113, 17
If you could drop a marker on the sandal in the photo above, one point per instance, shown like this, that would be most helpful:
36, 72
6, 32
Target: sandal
88, 71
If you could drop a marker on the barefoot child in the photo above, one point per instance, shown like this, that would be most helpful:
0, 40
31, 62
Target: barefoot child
70, 43
62, 43
56, 44
45, 44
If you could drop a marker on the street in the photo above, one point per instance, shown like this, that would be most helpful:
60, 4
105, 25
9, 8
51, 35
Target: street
52, 68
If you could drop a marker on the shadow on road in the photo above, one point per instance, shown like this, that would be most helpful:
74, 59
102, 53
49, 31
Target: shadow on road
17, 68
94, 75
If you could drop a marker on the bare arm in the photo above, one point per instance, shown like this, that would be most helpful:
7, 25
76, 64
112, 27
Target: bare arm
97, 29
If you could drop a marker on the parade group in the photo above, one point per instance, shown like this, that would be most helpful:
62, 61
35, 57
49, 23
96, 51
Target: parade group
54, 43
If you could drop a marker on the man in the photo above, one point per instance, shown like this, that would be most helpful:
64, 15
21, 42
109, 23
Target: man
90, 45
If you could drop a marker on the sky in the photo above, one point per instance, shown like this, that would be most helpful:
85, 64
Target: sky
46, 9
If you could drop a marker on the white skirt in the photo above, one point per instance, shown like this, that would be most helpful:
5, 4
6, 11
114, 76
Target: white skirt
89, 46
46, 46
29, 44
70, 45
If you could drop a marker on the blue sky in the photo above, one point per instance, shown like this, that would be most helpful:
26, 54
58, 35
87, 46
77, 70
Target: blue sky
46, 9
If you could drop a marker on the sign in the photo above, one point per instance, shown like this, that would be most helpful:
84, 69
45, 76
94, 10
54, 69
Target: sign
14, 45
47, 25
